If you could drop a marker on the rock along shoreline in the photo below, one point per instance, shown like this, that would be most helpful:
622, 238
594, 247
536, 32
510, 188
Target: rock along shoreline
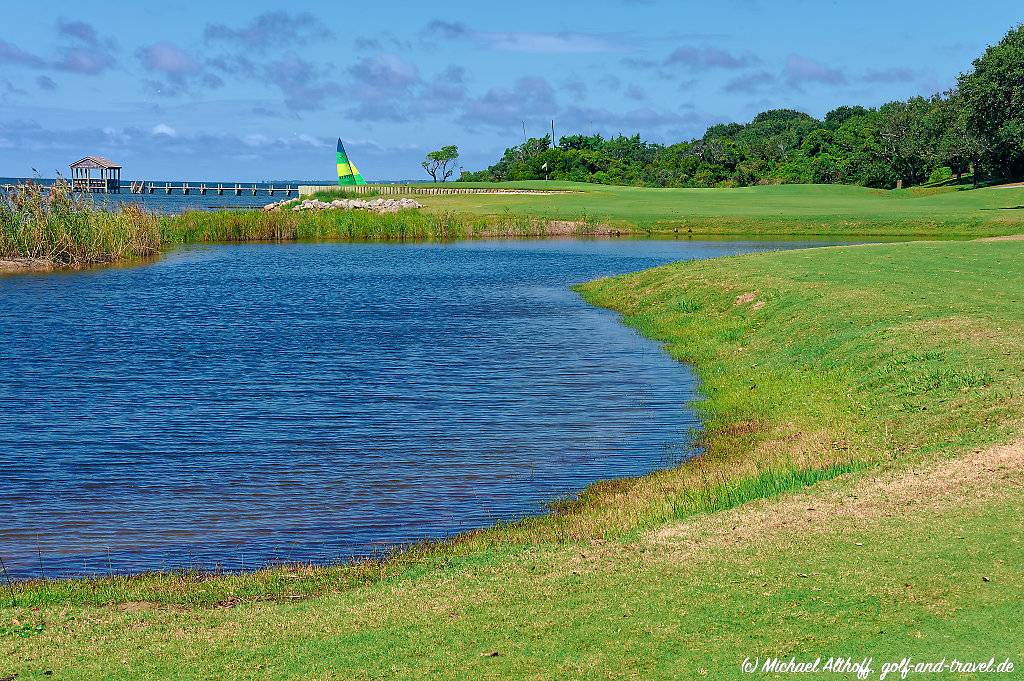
374, 205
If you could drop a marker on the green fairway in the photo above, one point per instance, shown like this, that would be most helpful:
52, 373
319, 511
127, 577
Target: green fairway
780, 209
883, 374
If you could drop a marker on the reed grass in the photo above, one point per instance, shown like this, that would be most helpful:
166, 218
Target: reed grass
65, 229
58, 226
323, 225
343, 225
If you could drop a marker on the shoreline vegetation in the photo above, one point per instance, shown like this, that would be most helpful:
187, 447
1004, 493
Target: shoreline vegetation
822, 371
42, 230
45, 229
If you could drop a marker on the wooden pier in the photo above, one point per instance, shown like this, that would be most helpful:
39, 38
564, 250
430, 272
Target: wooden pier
202, 188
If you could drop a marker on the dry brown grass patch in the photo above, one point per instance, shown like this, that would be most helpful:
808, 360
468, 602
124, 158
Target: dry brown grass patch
965, 480
977, 332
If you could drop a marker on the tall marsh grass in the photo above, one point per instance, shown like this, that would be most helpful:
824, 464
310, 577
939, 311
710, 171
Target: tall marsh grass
68, 229
58, 226
338, 225
325, 225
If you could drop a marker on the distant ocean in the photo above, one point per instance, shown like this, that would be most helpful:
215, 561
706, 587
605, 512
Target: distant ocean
161, 202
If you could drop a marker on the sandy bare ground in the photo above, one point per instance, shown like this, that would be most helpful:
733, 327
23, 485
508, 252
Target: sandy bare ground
570, 227
541, 228
1010, 237
968, 479
15, 265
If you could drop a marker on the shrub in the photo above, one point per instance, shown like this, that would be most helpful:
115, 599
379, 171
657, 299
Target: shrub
940, 174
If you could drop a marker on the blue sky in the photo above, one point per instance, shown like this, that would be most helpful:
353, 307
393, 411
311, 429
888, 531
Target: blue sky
261, 90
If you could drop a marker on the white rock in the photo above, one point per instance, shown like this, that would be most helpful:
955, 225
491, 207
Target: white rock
379, 205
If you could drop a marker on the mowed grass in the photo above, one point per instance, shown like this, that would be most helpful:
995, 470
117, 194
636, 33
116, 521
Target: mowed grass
828, 367
782, 209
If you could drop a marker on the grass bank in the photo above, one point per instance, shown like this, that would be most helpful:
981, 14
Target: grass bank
838, 368
69, 231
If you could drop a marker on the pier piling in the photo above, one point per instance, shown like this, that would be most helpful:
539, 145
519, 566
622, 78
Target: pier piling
146, 187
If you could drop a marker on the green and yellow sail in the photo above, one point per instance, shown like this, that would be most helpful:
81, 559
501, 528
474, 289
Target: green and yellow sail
347, 173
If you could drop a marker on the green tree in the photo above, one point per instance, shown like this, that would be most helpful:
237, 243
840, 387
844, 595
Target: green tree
980, 125
905, 139
994, 96
959, 146
441, 163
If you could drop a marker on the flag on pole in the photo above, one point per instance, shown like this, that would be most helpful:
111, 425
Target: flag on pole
347, 173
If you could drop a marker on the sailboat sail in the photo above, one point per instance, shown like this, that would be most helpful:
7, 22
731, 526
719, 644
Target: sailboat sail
347, 173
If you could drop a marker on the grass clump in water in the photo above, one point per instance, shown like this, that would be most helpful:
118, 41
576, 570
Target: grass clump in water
57, 226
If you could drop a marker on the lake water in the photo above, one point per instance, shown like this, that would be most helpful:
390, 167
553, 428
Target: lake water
241, 405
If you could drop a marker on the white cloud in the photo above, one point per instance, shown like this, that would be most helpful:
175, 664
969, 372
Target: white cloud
164, 129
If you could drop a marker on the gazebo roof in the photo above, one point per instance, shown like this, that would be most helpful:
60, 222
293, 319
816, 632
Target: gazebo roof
94, 162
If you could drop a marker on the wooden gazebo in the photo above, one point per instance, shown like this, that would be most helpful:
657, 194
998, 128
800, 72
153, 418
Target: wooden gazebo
109, 181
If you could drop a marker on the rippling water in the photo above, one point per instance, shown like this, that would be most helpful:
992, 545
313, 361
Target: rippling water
239, 405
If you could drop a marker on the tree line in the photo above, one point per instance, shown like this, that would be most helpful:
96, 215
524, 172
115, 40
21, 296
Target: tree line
976, 128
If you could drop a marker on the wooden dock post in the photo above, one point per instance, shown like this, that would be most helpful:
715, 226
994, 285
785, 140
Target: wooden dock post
186, 188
